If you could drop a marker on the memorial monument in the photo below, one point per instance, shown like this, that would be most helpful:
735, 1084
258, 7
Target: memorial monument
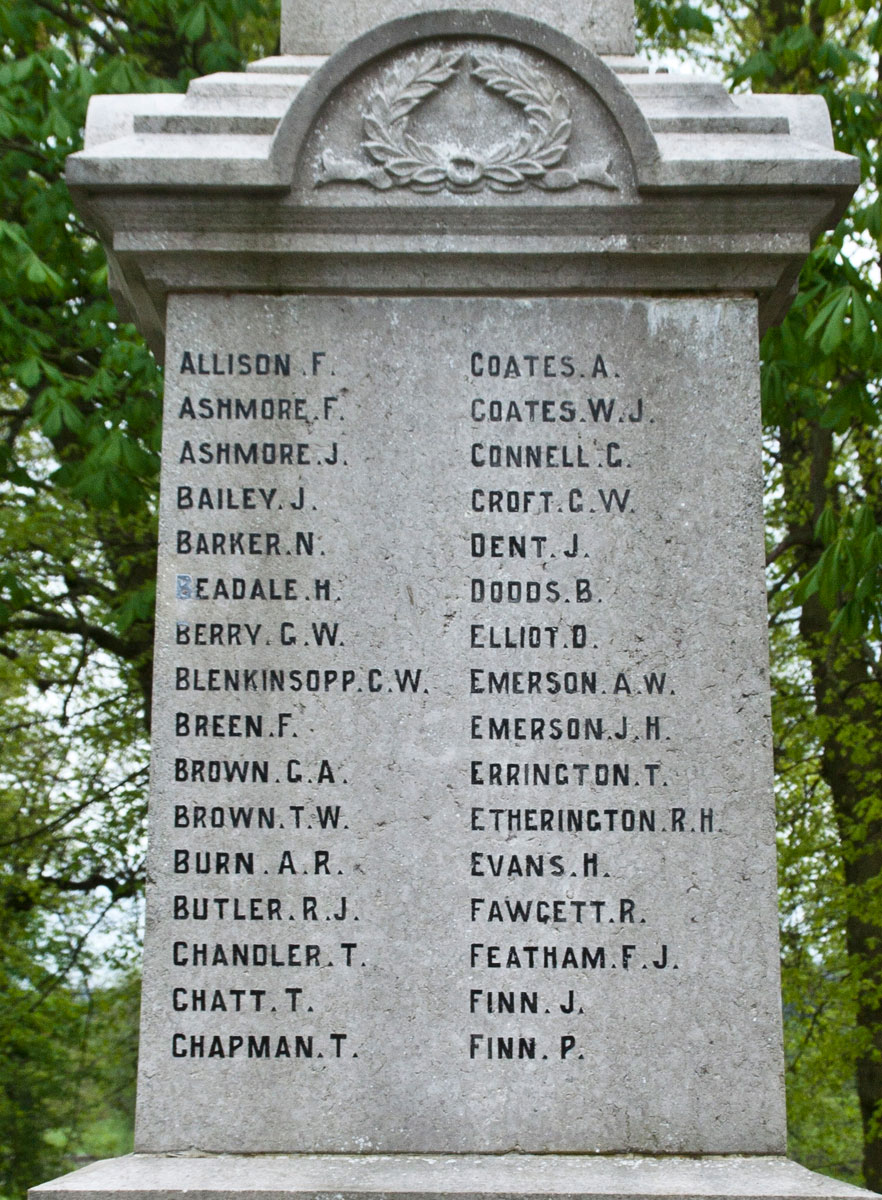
462, 874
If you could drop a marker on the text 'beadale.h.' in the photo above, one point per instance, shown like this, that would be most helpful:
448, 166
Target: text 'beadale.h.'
462, 871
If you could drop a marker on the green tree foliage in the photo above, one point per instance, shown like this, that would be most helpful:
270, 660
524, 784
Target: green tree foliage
71, 803
79, 439
821, 378
71, 376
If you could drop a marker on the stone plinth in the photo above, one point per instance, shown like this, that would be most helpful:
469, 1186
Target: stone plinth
455, 1177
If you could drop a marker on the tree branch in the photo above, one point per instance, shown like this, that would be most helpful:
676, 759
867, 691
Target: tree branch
800, 536
46, 621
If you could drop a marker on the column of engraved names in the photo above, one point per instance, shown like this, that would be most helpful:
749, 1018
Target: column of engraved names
258, 841
564, 724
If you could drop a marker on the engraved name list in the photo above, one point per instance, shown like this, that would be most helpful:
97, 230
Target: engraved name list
456, 673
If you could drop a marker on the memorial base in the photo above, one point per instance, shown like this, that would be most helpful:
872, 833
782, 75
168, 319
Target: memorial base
447, 1177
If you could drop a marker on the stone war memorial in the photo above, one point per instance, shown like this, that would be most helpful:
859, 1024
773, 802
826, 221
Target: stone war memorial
462, 869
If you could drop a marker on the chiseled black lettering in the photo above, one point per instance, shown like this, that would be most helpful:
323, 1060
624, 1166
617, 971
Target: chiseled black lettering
221, 770
503, 1048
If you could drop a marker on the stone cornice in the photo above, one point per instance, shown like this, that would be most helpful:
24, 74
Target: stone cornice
229, 186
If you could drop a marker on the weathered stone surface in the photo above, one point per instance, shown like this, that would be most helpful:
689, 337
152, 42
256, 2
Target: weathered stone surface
309, 28
504, 742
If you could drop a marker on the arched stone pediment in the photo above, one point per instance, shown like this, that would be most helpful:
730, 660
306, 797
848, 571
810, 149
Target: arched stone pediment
456, 104
464, 151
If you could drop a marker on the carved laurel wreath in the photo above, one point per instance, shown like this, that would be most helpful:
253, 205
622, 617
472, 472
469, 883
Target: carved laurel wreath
529, 159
